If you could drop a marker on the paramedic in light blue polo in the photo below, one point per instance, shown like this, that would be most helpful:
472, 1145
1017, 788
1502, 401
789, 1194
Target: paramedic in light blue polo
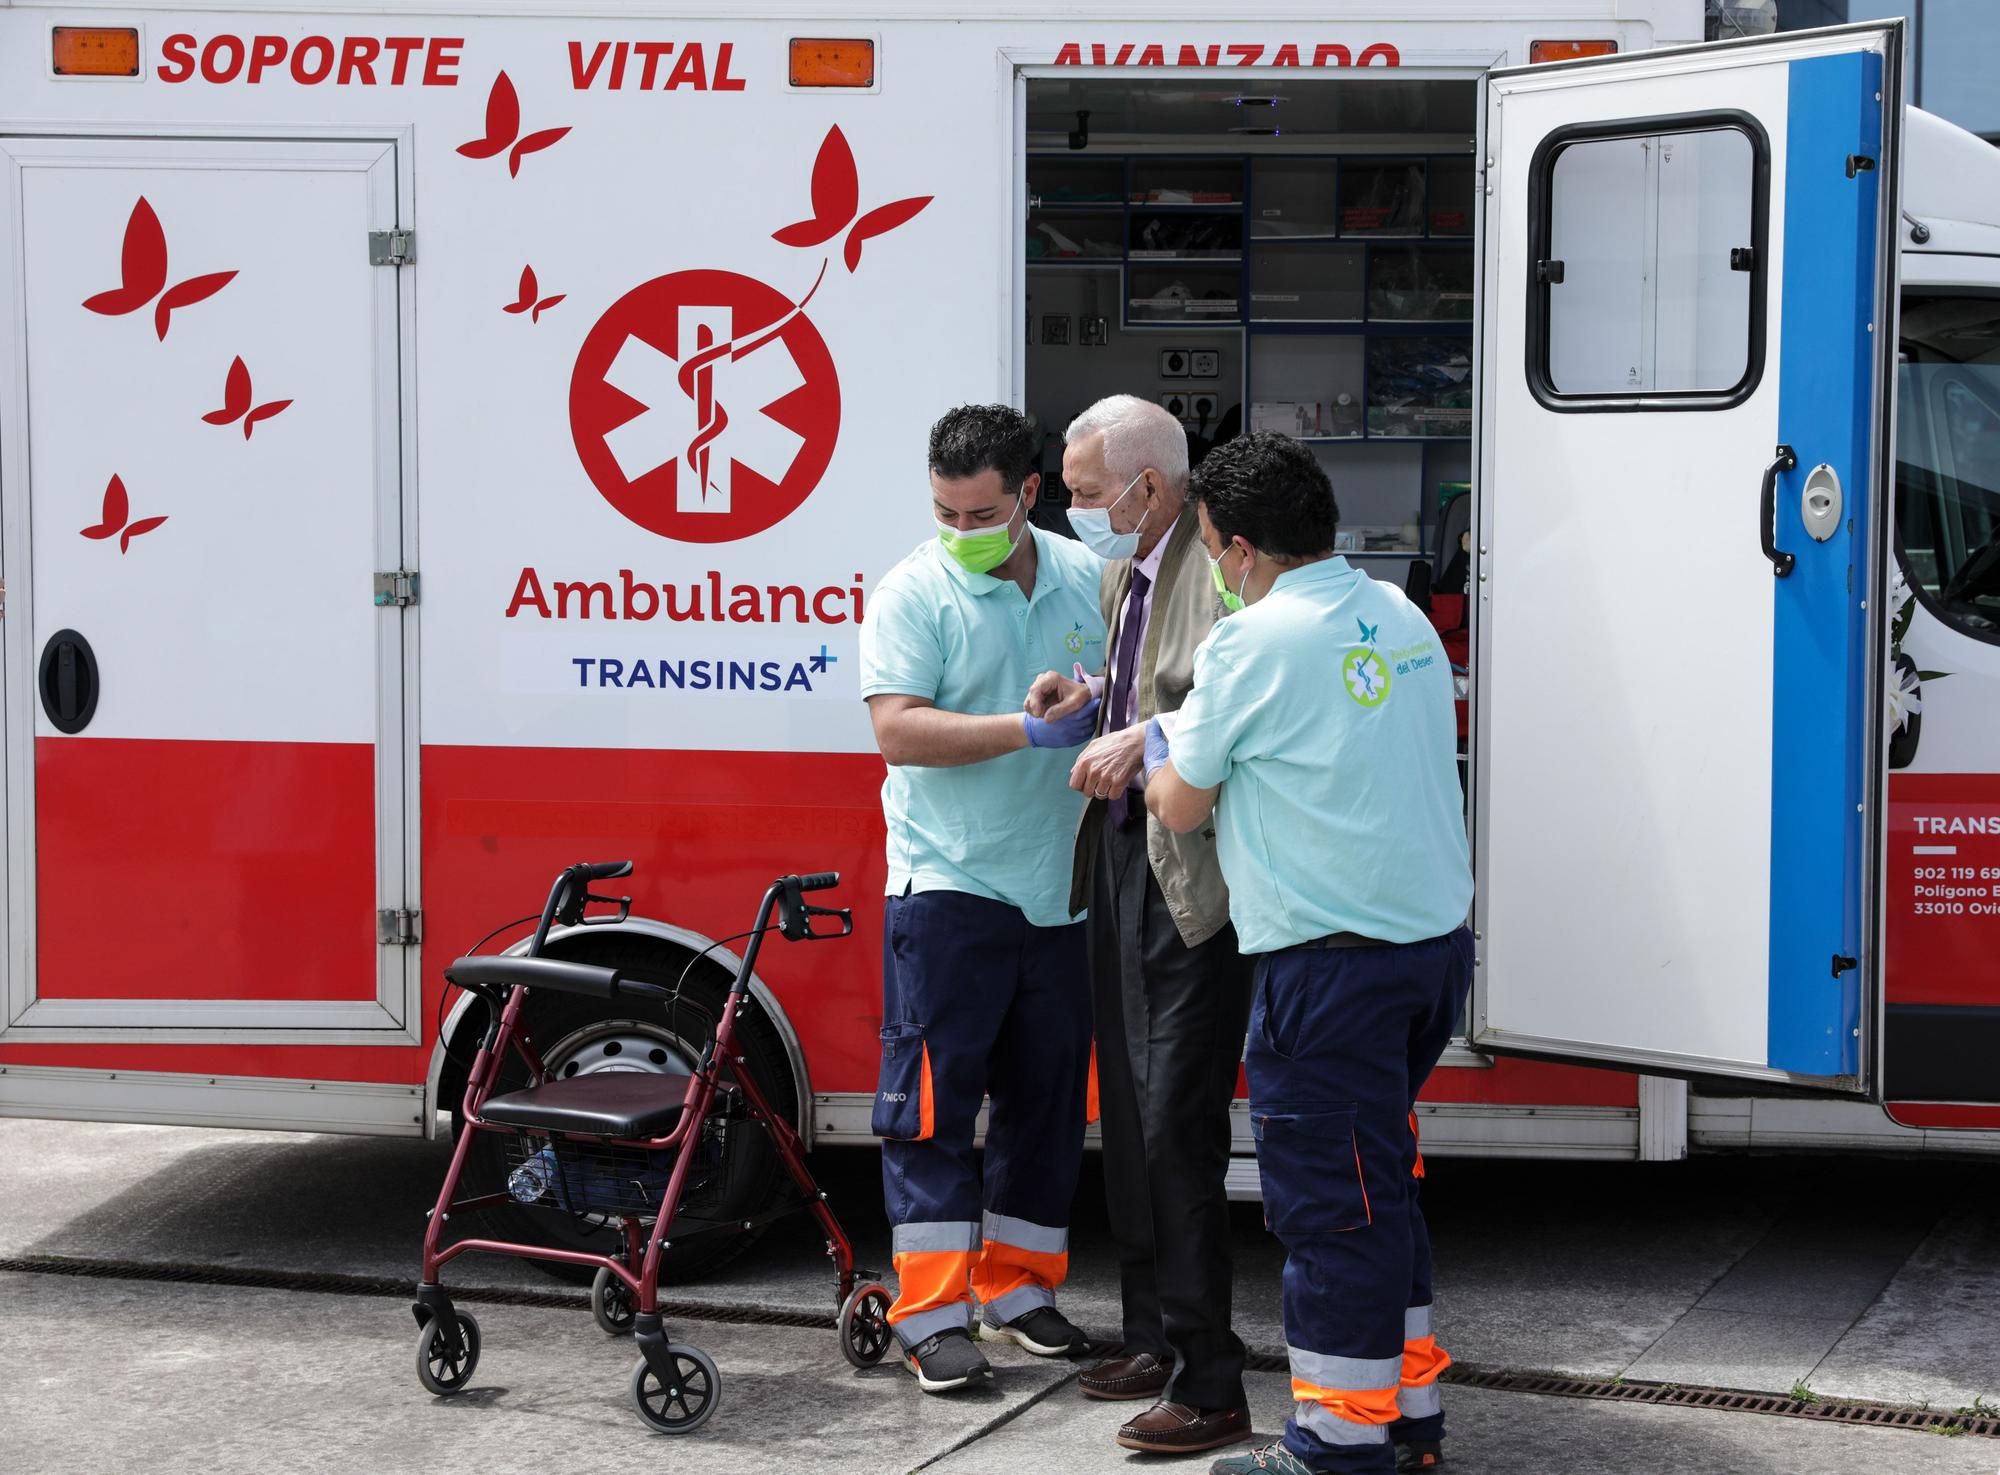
985, 977
1320, 732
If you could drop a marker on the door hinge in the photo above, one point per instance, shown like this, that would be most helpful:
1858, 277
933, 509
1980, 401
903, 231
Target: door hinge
1843, 963
398, 927
392, 247
1549, 273
1858, 164
3, 599
396, 586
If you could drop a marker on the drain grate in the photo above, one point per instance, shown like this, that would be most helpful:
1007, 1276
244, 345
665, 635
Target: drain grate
1499, 1380
1725, 1400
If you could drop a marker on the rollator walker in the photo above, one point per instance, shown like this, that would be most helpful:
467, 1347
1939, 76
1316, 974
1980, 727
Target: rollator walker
624, 1148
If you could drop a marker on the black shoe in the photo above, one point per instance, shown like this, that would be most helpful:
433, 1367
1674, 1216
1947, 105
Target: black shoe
1419, 1454
1044, 1331
947, 1361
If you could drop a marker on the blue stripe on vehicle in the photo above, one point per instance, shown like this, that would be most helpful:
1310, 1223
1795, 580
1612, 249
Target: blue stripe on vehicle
1820, 736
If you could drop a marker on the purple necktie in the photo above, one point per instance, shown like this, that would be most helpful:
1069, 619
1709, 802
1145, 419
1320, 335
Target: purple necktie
1125, 672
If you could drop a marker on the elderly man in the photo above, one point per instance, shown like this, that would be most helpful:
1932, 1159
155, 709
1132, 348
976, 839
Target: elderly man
1171, 992
983, 989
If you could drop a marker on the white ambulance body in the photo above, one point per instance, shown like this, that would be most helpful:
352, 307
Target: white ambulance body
437, 447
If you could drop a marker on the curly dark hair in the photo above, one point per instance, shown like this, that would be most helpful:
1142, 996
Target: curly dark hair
1271, 490
976, 438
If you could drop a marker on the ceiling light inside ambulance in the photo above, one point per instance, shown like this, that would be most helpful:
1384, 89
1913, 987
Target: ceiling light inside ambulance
818, 62
96, 51
1541, 51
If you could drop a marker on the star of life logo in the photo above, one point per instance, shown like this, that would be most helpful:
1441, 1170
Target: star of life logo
704, 404
1363, 671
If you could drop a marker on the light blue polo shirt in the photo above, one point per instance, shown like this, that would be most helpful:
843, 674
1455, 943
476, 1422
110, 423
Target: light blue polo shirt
1004, 828
1325, 712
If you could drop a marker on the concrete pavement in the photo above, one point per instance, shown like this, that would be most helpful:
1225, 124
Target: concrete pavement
1863, 1279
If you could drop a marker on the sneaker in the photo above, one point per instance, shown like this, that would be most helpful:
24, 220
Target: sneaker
1419, 1454
947, 1361
1044, 1331
1271, 1459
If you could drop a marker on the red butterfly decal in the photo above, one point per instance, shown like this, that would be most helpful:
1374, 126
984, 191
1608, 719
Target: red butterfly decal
117, 510
531, 301
236, 398
836, 198
142, 271
836, 195
503, 127
879, 222
142, 265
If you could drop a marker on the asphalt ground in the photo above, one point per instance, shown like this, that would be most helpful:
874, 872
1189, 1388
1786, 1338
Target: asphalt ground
1840, 1279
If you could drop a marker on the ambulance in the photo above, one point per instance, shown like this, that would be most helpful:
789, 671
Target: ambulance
437, 447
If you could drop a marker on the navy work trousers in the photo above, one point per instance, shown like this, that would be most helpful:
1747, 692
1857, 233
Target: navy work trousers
1341, 1041
979, 1004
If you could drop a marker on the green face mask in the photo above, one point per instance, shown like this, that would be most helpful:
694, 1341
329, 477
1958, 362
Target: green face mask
1230, 601
983, 551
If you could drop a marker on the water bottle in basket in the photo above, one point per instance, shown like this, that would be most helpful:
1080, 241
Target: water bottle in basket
535, 1177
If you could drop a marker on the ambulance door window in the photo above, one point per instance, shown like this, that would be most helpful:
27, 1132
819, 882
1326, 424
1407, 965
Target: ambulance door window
1647, 266
1948, 458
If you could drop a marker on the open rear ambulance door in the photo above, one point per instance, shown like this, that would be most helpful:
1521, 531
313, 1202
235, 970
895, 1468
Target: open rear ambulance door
1685, 393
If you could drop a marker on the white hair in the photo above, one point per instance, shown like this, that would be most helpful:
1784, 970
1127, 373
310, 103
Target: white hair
1137, 434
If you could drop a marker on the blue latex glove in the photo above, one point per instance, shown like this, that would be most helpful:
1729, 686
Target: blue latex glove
1156, 748
1063, 732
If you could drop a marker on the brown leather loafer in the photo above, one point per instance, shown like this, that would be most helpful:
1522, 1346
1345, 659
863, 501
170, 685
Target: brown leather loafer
1176, 1429
1138, 1375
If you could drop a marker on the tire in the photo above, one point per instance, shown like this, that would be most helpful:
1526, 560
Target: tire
864, 1325
685, 1408
439, 1370
751, 1176
611, 1304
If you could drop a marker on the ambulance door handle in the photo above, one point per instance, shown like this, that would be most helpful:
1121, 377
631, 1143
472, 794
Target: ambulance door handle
68, 681
1767, 513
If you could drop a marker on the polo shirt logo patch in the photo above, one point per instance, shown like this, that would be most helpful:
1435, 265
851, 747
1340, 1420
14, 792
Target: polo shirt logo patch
1366, 676
1073, 642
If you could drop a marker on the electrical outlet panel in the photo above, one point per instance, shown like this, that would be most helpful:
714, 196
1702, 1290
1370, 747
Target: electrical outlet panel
1204, 363
1174, 363
1176, 405
1202, 406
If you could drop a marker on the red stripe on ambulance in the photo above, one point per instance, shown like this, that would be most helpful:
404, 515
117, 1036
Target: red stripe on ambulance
242, 870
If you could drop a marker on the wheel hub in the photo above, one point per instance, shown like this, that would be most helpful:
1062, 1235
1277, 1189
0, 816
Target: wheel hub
620, 1045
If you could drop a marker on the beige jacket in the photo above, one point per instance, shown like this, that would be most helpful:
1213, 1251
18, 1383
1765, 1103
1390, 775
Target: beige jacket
1185, 607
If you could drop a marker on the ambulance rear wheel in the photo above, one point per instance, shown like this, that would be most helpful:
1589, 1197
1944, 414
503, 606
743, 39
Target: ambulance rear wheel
741, 1176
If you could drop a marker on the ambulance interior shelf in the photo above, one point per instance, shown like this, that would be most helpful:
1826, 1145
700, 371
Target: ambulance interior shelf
1177, 229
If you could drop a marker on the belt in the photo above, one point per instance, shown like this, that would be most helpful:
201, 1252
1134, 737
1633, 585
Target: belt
1337, 939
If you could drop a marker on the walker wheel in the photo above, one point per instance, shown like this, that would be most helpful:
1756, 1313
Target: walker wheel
864, 1325
684, 1405
611, 1303
442, 1369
